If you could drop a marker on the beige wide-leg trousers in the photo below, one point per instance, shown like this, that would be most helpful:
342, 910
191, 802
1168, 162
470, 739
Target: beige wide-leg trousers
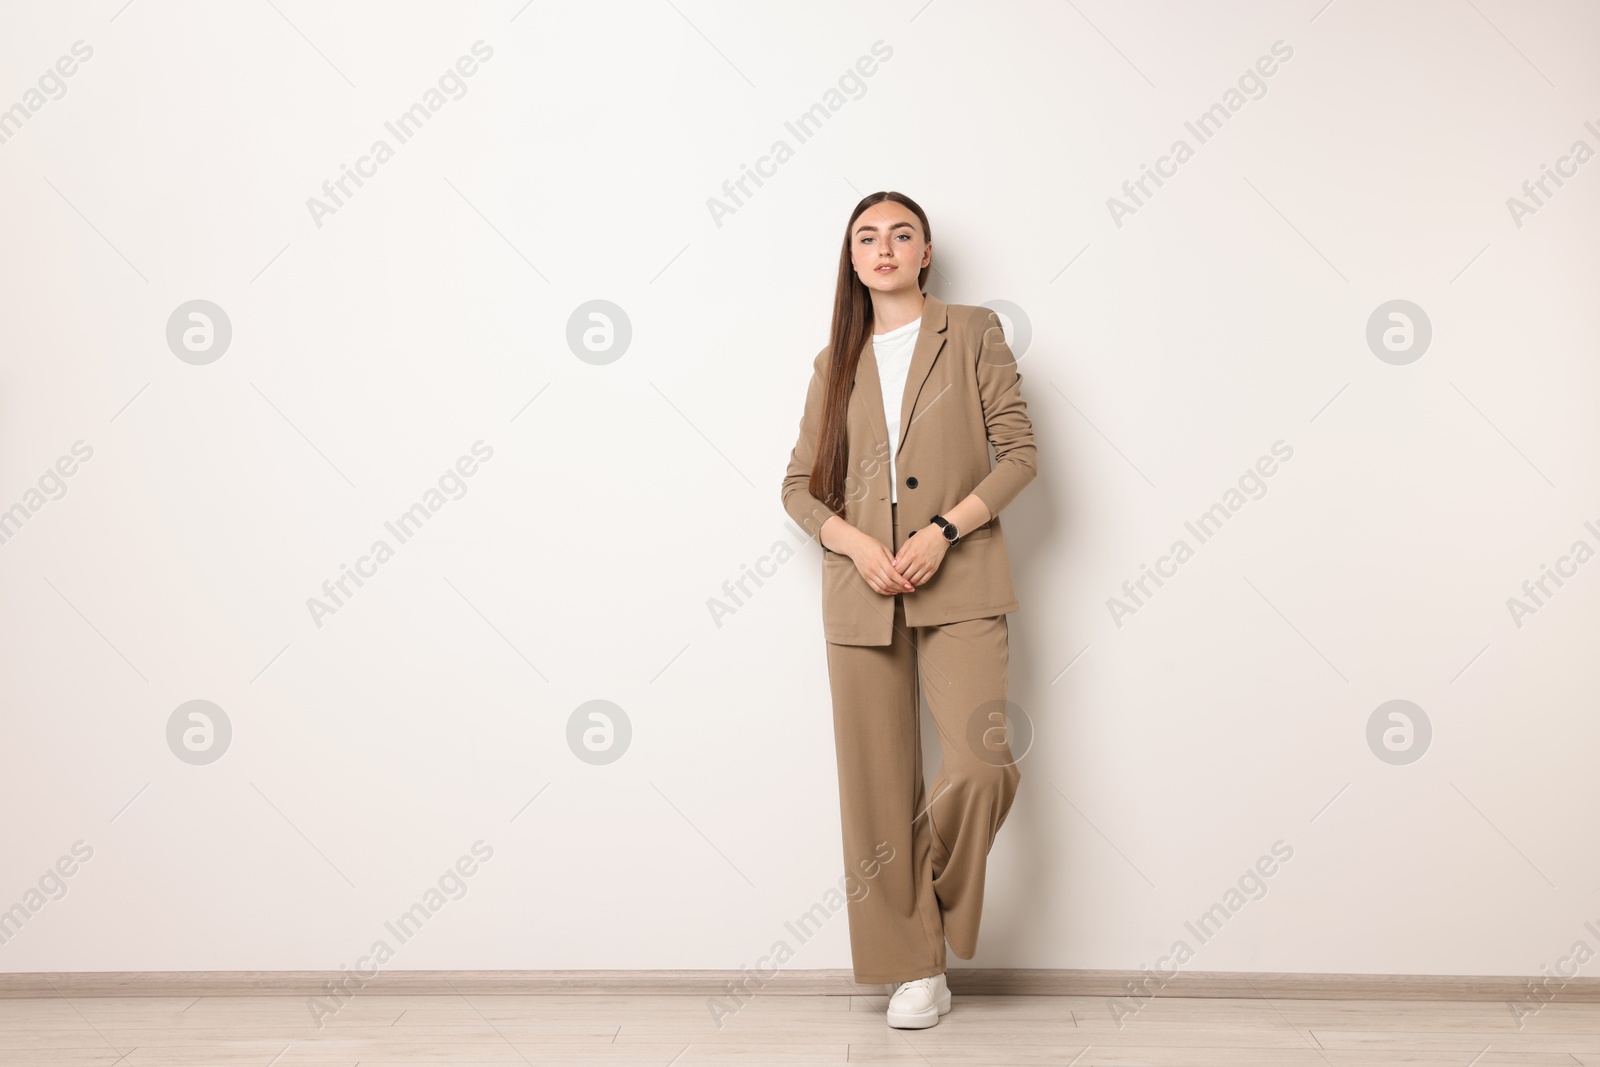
931, 890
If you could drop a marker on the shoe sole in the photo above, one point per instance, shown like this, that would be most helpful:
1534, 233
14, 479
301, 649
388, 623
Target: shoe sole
918, 1021
921, 1020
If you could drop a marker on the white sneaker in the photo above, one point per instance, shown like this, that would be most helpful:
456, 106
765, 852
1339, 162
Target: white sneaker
918, 1004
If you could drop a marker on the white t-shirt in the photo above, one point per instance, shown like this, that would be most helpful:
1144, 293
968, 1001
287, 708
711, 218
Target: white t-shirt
893, 350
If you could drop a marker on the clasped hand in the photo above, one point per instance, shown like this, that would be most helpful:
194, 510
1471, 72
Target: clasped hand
904, 571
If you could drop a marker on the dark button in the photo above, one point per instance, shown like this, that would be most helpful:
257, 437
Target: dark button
911, 481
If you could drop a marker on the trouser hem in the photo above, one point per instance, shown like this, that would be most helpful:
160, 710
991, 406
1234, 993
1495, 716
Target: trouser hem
924, 972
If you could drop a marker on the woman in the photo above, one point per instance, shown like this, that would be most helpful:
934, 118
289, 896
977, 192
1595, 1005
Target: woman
891, 474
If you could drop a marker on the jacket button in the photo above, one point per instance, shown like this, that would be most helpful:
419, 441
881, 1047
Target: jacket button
911, 481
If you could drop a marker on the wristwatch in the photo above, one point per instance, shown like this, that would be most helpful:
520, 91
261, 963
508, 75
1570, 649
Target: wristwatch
949, 529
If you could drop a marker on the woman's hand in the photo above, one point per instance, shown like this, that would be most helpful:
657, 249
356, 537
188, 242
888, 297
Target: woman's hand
871, 556
879, 568
919, 558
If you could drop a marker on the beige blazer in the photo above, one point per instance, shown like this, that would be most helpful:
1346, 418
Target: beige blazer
963, 393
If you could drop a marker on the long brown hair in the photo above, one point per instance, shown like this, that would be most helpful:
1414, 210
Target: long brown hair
852, 326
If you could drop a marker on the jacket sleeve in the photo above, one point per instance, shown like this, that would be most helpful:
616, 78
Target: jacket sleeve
1005, 416
807, 511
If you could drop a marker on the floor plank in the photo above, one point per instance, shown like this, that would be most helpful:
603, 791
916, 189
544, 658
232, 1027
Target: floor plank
784, 1030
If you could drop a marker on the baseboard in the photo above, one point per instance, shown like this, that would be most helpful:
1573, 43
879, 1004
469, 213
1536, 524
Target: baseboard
1010, 981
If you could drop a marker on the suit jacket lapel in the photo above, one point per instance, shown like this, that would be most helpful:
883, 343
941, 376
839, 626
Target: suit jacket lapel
871, 387
929, 343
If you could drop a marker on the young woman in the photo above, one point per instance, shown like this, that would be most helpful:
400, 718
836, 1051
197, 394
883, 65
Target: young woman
891, 474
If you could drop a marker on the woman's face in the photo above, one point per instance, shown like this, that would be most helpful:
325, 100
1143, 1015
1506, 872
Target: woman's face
886, 247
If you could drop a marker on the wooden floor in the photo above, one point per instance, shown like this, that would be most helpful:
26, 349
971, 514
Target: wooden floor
391, 1031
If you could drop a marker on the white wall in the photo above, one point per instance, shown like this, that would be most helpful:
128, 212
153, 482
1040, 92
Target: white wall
430, 312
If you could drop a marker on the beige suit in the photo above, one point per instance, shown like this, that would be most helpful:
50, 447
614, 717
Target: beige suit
950, 636
963, 393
